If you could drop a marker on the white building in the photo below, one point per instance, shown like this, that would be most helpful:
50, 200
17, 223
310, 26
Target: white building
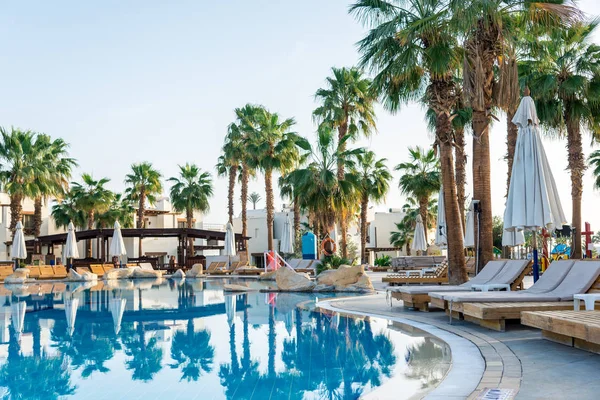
380, 227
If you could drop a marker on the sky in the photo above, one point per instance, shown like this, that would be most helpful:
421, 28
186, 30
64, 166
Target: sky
149, 80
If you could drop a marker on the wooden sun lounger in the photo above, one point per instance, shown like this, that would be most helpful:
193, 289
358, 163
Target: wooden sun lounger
107, 267
439, 276
248, 270
580, 329
5, 270
46, 272
80, 270
219, 269
493, 315
60, 271
305, 266
34, 272
97, 269
418, 296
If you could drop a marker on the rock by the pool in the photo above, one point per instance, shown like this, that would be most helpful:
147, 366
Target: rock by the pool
84, 276
268, 276
119, 273
362, 285
196, 271
324, 288
290, 281
18, 277
179, 274
230, 287
139, 273
343, 276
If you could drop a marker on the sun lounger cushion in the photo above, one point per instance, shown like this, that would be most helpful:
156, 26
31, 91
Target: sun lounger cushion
491, 269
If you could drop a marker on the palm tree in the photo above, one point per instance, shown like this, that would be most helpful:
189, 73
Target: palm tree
18, 173
346, 105
66, 211
563, 72
254, 198
91, 197
420, 178
414, 54
402, 236
320, 192
143, 183
374, 178
229, 163
121, 209
272, 148
594, 161
487, 26
54, 172
191, 192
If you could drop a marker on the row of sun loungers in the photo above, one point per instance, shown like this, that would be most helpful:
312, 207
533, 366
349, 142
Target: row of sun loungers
437, 275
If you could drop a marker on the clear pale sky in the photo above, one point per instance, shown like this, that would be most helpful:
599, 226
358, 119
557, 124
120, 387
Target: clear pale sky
152, 80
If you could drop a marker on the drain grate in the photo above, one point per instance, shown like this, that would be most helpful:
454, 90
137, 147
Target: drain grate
497, 394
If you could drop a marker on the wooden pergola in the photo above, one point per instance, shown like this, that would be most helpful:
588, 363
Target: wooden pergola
102, 235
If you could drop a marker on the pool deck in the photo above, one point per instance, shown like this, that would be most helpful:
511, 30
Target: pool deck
518, 360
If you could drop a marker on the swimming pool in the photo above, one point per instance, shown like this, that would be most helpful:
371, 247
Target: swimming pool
190, 340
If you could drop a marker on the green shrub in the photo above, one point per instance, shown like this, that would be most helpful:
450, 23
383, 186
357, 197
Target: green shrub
383, 261
331, 262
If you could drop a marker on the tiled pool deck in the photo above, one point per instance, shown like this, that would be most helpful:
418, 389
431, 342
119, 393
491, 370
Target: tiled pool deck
517, 360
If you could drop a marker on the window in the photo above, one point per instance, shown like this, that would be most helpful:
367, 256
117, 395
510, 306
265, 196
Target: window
27, 221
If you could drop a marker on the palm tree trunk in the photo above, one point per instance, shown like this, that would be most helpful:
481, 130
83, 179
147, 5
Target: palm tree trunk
408, 250
230, 192
342, 130
90, 225
577, 168
16, 209
456, 256
189, 217
511, 142
461, 172
364, 205
245, 204
140, 221
482, 186
270, 207
344, 233
423, 203
297, 238
37, 216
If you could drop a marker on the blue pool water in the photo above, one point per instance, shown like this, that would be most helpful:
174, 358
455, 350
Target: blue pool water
190, 340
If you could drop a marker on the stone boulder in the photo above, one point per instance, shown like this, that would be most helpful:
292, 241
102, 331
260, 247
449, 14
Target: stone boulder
119, 273
196, 271
268, 276
230, 287
18, 277
139, 273
324, 288
290, 281
179, 274
363, 284
85, 276
343, 276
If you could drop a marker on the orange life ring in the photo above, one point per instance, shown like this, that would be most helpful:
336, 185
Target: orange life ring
328, 250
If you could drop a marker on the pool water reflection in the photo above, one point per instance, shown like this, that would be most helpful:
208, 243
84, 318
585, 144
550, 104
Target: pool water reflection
189, 340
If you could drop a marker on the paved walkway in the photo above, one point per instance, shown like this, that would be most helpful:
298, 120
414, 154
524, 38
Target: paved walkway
518, 359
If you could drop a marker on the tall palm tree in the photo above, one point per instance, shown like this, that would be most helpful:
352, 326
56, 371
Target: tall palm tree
420, 178
594, 161
272, 148
66, 211
54, 171
229, 163
191, 192
414, 54
347, 104
487, 26
374, 181
254, 198
18, 172
91, 197
143, 184
564, 75
320, 192
402, 236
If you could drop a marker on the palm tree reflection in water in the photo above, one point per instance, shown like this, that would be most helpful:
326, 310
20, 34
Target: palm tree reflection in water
334, 358
429, 361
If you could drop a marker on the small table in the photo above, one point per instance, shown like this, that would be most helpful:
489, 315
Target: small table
491, 287
589, 300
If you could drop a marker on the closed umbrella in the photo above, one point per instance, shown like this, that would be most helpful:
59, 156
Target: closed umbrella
229, 249
533, 200
512, 238
71, 251
419, 243
117, 245
230, 309
18, 250
17, 316
470, 228
71, 305
286, 245
441, 238
117, 308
